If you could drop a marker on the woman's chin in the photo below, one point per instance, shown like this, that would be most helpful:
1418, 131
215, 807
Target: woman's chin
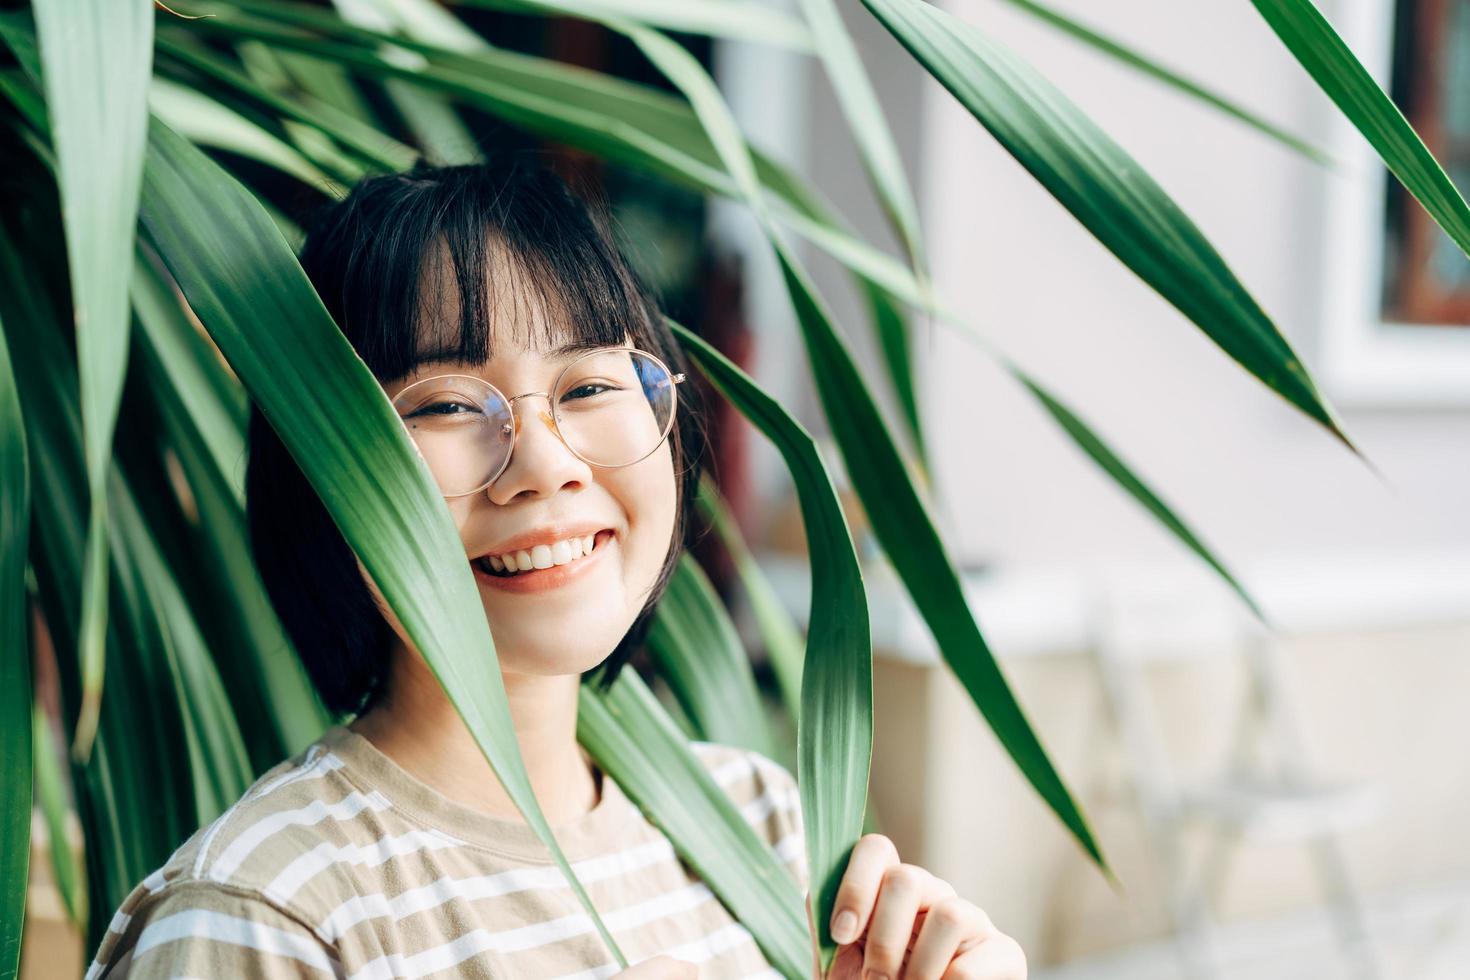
567, 650
551, 664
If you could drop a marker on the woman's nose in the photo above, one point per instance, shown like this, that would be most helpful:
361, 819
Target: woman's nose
540, 462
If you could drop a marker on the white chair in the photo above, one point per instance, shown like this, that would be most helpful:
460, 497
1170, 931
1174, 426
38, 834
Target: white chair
1266, 793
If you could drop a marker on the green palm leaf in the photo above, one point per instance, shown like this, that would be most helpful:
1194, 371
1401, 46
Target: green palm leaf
15, 667
779, 634
698, 651
381, 151
1105, 189
633, 740
880, 158
206, 122
97, 57
51, 800
436, 126
1112, 464
134, 793
202, 410
1126, 55
835, 734
1331, 63
735, 19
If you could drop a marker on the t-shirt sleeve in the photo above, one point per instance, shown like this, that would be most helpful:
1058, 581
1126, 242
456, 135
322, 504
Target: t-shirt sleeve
200, 929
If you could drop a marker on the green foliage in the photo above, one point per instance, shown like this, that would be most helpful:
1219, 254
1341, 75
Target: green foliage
132, 550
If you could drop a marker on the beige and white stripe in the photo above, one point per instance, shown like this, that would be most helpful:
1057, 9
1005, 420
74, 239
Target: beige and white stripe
338, 863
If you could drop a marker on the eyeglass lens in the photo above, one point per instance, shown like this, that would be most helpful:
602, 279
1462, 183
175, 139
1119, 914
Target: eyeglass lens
612, 408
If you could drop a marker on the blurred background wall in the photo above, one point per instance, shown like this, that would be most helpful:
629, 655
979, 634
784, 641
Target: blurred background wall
1367, 578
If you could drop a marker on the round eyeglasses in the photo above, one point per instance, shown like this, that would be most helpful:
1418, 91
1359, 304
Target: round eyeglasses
611, 407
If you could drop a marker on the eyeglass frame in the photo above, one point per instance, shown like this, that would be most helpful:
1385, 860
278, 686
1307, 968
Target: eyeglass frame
674, 381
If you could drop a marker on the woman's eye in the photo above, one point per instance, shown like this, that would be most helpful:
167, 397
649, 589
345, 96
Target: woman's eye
444, 408
586, 390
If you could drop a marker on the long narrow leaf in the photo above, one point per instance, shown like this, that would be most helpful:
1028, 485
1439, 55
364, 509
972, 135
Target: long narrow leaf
698, 652
635, 741
738, 20
97, 57
252, 295
247, 642
436, 126
865, 119
1106, 190
1126, 55
427, 21
380, 149
1113, 465
880, 158
201, 408
149, 525
133, 793
207, 123
895, 340
835, 734
15, 667
783, 641
1332, 64
51, 801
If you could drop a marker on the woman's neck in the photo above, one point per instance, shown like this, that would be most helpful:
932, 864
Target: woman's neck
416, 726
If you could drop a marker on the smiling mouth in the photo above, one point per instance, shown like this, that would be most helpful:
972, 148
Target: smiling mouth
598, 542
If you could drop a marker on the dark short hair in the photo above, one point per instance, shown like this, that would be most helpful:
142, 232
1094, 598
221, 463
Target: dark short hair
364, 254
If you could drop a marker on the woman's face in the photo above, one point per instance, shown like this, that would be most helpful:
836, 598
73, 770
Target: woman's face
570, 627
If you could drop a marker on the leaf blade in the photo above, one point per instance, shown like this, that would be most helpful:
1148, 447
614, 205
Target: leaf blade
634, 741
1319, 49
698, 652
16, 752
1107, 191
1134, 59
96, 58
835, 733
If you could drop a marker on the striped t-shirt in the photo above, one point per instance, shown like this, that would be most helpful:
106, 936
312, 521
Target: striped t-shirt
340, 863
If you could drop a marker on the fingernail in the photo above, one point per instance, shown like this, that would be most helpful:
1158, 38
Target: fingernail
874, 976
843, 925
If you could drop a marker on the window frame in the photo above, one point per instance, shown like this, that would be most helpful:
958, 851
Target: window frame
1368, 359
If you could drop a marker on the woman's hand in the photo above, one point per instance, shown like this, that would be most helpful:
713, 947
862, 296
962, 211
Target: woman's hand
887, 911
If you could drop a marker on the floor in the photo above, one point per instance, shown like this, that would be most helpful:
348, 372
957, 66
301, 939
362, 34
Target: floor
1423, 935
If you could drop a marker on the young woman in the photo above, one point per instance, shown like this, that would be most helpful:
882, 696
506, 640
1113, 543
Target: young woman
536, 377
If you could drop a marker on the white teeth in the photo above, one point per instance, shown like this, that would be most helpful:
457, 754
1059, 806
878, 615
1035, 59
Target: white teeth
542, 556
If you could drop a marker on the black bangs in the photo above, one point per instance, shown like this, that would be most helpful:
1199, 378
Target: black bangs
434, 262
